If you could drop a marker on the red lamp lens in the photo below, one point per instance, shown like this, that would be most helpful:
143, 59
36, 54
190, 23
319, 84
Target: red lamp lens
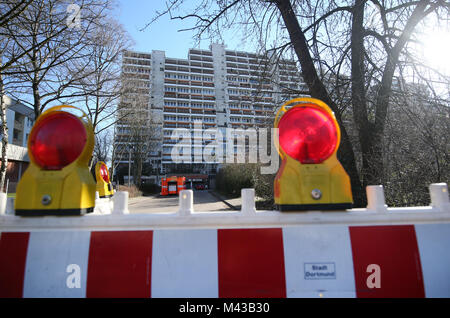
307, 134
57, 140
104, 173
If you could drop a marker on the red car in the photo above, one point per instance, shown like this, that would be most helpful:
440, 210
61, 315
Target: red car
199, 187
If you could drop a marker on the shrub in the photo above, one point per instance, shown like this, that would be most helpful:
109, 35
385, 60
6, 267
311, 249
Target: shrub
133, 191
149, 188
234, 177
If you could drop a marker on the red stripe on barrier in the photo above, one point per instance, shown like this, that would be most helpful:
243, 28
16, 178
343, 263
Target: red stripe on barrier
251, 263
120, 264
392, 248
13, 255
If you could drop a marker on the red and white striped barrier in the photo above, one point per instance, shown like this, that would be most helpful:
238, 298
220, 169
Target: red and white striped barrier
358, 253
298, 261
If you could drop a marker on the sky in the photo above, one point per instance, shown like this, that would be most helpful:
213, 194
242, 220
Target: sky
162, 35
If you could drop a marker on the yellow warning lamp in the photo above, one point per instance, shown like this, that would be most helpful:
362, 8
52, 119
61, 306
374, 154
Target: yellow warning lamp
58, 180
310, 176
104, 186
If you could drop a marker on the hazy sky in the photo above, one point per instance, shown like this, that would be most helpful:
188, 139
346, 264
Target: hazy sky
163, 34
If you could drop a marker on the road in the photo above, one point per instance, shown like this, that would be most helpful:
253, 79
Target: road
203, 201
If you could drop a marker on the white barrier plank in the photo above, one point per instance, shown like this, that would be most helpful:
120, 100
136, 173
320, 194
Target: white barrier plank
318, 261
184, 263
433, 241
50, 256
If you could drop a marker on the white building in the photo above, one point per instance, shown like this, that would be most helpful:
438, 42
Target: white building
218, 87
19, 120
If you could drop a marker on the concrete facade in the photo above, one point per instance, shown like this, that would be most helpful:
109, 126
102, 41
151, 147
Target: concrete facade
215, 89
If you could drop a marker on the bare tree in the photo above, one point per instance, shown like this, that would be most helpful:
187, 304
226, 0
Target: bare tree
102, 84
9, 11
49, 71
355, 44
138, 136
103, 146
416, 143
59, 51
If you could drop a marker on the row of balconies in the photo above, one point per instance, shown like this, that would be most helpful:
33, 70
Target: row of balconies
200, 58
132, 61
250, 98
200, 52
187, 111
197, 142
205, 112
251, 113
288, 73
137, 76
252, 86
188, 117
251, 62
188, 63
188, 96
244, 54
185, 121
137, 55
250, 107
257, 74
188, 69
188, 83
204, 65
192, 105
255, 69
188, 125
188, 90
177, 62
289, 79
258, 64
259, 60
195, 134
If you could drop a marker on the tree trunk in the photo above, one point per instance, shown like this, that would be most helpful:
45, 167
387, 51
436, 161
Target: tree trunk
4, 132
317, 90
371, 167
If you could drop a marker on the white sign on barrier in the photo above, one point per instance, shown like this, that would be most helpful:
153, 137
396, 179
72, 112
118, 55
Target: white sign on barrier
320, 270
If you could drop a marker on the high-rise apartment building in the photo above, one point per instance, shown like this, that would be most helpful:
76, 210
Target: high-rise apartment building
212, 89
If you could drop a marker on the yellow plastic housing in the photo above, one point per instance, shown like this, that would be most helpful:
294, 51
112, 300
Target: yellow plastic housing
323, 186
104, 189
69, 191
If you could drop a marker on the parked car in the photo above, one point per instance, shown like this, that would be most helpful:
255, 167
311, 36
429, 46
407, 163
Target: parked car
200, 187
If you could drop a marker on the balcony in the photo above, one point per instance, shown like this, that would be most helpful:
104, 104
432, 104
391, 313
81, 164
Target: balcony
183, 96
